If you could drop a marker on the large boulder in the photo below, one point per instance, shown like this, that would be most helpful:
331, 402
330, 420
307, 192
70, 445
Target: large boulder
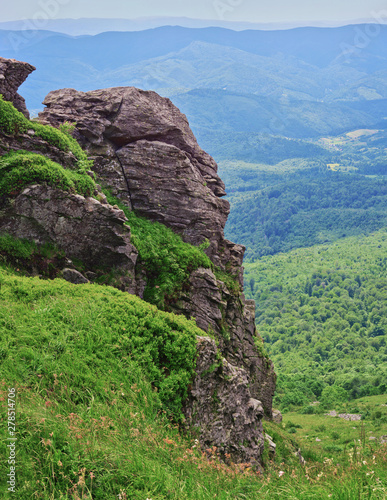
83, 228
144, 149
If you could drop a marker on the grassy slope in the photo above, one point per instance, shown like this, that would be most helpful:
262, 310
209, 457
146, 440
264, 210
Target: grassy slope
89, 422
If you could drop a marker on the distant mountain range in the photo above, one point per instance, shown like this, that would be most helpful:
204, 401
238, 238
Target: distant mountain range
94, 26
298, 83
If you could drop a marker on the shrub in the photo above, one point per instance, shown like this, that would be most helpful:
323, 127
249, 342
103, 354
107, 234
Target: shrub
308, 410
18, 248
166, 259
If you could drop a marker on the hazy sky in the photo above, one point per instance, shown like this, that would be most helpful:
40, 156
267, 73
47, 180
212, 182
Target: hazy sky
230, 10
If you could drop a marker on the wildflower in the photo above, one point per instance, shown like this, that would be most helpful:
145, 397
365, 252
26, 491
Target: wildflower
281, 473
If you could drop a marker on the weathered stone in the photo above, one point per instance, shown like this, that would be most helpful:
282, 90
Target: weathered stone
271, 446
221, 407
74, 276
82, 227
300, 457
277, 416
173, 192
124, 115
144, 149
12, 75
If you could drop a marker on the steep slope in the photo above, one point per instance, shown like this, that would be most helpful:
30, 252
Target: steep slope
144, 151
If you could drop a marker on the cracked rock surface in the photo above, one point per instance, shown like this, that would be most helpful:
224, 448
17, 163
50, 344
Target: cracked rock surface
83, 227
145, 151
12, 75
221, 407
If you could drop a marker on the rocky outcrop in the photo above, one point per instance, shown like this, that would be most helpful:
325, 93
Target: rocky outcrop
83, 227
144, 150
221, 408
12, 75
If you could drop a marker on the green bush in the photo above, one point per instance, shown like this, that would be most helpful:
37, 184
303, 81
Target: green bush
307, 410
166, 259
18, 248
20, 168
26, 256
291, 424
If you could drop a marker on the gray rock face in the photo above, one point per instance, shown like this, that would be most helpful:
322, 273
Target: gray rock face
74, 276
226, 313
12, 75
271, 445
277, 416
83, 227
221, 407
145, 151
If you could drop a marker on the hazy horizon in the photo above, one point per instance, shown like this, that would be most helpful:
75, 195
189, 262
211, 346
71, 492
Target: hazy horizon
279, 11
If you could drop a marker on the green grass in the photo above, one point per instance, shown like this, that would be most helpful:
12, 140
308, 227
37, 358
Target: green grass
27, 257
338, 436
95, 370
12, 122
162, 343
20, 168
165, 258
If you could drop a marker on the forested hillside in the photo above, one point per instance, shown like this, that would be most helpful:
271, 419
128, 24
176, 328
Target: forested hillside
304, 211
322, 314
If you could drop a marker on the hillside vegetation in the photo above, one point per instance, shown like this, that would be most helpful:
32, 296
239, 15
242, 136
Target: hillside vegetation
321, 312
304, 210
95, 370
